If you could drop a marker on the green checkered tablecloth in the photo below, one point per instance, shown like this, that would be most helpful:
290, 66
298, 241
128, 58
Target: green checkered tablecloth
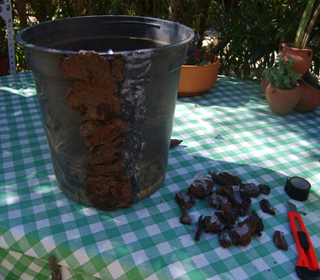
147, 240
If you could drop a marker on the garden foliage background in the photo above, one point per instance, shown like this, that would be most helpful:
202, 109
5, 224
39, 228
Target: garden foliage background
245, 33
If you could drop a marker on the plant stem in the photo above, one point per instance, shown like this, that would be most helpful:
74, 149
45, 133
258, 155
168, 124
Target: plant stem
312, 23
303, 24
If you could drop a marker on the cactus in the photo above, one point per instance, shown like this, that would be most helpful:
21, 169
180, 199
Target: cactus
311, 79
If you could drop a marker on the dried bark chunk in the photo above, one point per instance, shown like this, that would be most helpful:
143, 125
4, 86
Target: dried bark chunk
199, 229
266, 207
122, 204
238, 197
116, 68
185, 218
96, 133
217, 200
251, 190
212, 224
123, 191
101, 184
245, 205
89, 67
264, 189
96, 187
106, 152
174, 143
113, 169
244, 231
241, 201
104, 203
228, 191
279, 240
225, 178
230, 213
227, 224
185, 200
260, 227
201, 187
108, 195
92, 102
225, 238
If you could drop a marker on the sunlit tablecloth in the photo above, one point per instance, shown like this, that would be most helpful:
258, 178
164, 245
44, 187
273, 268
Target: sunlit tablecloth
147, 240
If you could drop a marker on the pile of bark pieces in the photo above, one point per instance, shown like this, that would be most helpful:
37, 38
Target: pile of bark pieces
232, 200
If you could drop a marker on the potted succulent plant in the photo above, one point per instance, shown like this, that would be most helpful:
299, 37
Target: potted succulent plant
281, 86
310, 98
200, 71
300, 50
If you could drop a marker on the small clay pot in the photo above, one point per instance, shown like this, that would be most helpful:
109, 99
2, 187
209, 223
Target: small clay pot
195, 79
302, 57
310, 98
282, 101
264, 84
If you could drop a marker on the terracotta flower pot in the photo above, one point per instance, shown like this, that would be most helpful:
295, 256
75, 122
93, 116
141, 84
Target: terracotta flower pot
310, 98
302, 57
281, 101
264, 84
195, 79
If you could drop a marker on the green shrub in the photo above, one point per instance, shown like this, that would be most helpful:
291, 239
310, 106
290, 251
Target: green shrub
249, 32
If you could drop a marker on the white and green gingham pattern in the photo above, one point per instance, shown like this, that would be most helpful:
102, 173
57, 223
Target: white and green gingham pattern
147, 240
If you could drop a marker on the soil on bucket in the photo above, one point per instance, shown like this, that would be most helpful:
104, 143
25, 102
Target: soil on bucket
93, 98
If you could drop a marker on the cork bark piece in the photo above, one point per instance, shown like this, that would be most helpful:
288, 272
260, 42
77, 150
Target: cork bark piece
107, 169
93, 183
120, 185
93, 97
96, 133
88, 67
116, 192
122, 204
123, 192
104, 203
116, 67
106, 152
92, 102
94, 187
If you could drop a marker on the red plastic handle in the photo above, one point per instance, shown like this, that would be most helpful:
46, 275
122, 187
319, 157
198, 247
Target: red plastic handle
307, 257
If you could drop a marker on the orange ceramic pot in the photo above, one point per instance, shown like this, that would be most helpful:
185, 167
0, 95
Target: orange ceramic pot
310, 98
281, 101
302, 57
195, 79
